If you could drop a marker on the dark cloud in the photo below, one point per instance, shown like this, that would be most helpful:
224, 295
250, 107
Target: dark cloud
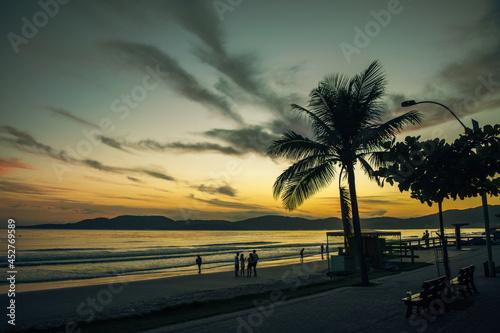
111, 142
197, 17
71, 116
225, 190
99, 166
25, 142
133, 179
24, 188
248, 139
225, 204
157, 174
143, 56
469, 85
154, 145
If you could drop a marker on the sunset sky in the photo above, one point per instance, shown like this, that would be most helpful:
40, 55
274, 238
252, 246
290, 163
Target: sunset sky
166, 107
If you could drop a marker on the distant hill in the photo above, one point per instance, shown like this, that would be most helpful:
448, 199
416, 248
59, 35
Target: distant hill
473, 216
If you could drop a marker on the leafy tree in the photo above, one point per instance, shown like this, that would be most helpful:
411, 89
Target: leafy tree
433, 170
345, 114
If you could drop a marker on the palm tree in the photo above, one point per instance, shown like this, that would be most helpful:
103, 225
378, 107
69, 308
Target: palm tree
345, 114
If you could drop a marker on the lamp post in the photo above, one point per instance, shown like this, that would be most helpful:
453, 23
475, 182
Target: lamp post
412, 102
491, 265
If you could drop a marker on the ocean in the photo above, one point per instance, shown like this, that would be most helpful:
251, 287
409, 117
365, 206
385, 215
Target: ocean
84, 256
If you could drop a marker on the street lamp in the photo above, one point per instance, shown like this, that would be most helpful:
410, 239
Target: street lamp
412, 102
491, 266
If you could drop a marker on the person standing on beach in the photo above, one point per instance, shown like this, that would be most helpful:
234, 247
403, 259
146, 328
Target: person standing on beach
242, 261
255, 261
250, 263
237, 264
198, 262
426, 238
322, 250
302, 255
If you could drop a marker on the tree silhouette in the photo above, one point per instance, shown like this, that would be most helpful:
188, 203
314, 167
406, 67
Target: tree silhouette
345, 114
433, 170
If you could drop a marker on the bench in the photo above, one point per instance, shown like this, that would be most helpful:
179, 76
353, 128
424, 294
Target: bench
431, 290
465, 281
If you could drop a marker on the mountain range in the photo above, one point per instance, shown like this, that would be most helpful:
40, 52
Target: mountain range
473, 216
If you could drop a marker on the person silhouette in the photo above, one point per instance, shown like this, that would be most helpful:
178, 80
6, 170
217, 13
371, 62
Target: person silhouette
250, 264
255, 261
426, 238
242, 261
198, 262
302, 255
236, 264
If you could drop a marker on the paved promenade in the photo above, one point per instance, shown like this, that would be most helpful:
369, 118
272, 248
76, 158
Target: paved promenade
367, 309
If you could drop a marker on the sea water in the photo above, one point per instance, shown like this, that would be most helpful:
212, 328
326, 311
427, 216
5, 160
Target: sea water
46, 255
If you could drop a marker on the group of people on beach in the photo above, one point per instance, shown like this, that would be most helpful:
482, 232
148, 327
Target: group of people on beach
250, 262
240, 262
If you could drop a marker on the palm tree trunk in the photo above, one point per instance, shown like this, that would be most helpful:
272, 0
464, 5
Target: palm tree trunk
356, 225
345, 212
443, 241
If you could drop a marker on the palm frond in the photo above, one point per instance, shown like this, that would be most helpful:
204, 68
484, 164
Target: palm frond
367, 168
295, 146
319, 126
305, 184
373, 136
299, 168
370, 82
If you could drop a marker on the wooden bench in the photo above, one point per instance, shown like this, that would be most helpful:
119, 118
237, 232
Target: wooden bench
431, 290
465, 281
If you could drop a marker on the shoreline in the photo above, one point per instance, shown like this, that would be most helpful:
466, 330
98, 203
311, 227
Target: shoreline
129, 278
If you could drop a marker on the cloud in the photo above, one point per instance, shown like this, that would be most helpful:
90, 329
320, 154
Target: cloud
101, 167
225, 190
254, 138
7, 186
133, 179
13, 163
469, 85
142, 56
240, 141
225, 204
110, 142
183, 147
25, 142
157, 174
71, 116
199, 18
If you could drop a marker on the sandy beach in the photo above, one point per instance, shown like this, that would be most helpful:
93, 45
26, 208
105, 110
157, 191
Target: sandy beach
119, 296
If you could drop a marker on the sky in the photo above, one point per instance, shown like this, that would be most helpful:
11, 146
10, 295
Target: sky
166, 107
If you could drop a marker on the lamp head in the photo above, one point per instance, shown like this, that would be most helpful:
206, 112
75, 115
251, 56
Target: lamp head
408, 103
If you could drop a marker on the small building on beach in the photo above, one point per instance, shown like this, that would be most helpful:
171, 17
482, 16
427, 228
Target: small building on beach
380, 247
